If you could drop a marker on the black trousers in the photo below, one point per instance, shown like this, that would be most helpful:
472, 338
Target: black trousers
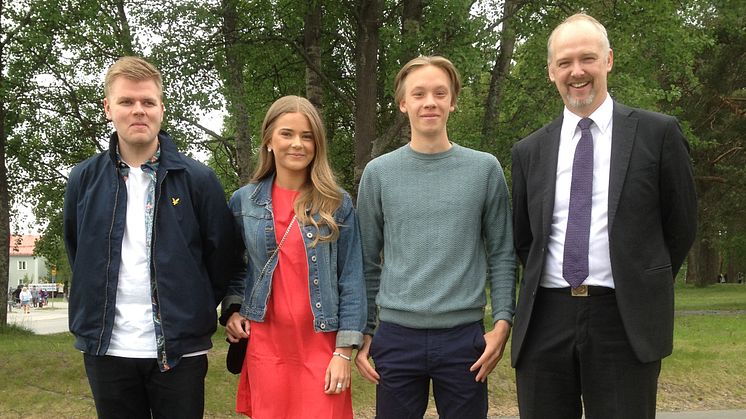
131, 388
577, 357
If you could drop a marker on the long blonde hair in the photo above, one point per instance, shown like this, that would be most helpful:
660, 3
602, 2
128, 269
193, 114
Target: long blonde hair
320, 195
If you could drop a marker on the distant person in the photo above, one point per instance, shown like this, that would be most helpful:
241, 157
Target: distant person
17, 293
302, 304
435, 221
151, 245
34, 296
25, 298
604, 216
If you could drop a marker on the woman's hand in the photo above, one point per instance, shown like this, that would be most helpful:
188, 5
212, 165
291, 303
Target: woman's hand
237, 327
339, 372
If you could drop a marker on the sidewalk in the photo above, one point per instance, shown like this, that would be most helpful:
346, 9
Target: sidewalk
707, 414
42, 321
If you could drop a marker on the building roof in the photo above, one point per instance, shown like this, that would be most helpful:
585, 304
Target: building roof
23, 245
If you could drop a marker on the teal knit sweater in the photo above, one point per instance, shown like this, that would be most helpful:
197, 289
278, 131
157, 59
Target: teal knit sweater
436, 229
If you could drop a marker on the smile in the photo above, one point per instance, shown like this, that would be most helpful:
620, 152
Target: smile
579, 84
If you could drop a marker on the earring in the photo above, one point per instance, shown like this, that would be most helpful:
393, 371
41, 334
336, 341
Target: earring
269, 149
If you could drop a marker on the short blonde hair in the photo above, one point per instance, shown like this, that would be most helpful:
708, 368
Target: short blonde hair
579, 17
133, 68
422, 61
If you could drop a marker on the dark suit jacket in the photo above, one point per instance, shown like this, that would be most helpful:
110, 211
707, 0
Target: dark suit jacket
652, 221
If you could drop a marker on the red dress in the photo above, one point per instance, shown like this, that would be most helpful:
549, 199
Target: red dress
286, 360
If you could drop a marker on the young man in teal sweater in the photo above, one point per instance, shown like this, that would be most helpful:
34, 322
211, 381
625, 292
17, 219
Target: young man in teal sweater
436, 229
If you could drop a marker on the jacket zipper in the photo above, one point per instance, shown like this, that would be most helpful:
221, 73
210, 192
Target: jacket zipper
164, 358
108, 260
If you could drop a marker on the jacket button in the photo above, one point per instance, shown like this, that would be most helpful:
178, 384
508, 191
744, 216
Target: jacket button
318, 305
313, 258
322, 325
309, 235
316, 281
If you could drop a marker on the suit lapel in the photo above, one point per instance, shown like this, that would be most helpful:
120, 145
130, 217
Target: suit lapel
624, 128
548, 162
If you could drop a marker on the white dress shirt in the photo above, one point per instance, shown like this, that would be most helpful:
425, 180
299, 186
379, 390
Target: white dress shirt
599, 262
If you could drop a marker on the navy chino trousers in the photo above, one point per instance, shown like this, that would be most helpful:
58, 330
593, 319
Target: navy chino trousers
409, 359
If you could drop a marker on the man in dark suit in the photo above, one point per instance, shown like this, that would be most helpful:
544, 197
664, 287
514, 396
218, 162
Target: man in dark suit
604, 215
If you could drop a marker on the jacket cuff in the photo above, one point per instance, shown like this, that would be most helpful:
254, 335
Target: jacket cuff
349, 339
231, 304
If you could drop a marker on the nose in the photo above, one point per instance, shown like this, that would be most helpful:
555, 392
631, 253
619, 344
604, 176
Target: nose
296, 143
577, 69
138, 108
430, 100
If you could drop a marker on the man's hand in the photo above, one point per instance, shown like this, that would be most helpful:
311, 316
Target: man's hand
237, 327
495, 341
363, 363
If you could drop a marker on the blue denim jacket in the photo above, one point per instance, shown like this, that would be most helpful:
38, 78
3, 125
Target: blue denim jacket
335, 284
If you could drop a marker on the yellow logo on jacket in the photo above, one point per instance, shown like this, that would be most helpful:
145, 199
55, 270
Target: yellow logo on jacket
175, 201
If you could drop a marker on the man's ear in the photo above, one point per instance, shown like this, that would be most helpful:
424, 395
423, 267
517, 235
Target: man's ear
107, 109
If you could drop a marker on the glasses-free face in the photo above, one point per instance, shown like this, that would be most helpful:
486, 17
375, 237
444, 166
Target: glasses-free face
136, 110
292, 145
427, 101
579, 67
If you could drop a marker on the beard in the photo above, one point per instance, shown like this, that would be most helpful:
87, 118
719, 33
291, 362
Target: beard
574, 103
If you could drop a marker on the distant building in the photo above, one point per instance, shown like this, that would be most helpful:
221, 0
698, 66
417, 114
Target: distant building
25, 268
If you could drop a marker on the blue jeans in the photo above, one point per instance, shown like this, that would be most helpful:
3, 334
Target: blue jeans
131, 388
408, 359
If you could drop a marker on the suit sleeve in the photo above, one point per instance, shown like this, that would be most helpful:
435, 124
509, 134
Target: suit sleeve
678, 196
522, 236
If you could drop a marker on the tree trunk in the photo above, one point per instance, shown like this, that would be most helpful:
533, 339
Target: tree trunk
702, 265
4, 199
366, 67
236, 92
411, 23
124, 35
499, 74
312, 45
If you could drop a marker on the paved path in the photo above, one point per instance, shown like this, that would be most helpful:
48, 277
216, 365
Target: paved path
709, 414
42, 321
53, 319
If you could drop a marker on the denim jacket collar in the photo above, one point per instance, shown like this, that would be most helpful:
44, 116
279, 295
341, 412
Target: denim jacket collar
262, 194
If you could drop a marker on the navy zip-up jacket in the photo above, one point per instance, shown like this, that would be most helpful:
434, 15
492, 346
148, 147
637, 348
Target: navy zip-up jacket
194, 248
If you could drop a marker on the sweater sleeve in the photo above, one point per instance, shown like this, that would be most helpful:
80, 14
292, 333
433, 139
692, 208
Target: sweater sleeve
497, 232
370, 214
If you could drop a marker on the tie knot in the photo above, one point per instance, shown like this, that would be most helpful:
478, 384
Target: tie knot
585, 123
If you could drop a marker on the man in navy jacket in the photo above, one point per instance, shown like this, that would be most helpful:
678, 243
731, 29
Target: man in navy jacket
151, 245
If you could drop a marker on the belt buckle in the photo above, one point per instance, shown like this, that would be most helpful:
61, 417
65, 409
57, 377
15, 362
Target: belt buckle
579, 291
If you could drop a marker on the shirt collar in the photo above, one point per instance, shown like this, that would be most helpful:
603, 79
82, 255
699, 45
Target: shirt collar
151, 163
601, 116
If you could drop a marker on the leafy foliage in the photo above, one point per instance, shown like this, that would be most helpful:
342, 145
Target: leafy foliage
235, 57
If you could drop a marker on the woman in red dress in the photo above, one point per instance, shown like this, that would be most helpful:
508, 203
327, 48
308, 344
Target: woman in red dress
302, 304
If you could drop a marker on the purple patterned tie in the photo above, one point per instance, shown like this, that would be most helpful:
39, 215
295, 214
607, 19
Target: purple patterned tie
575, 262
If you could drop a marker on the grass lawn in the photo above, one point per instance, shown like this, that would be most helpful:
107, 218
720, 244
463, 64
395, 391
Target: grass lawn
43, 375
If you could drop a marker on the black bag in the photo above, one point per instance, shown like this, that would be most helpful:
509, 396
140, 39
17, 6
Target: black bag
236, 354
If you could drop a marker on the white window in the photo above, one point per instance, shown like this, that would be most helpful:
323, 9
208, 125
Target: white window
21, 265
